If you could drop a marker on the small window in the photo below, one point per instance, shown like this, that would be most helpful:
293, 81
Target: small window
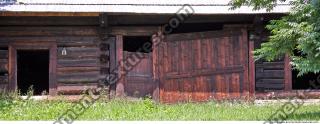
137, 44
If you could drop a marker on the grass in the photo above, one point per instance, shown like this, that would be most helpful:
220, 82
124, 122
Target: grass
17, 109
12, 107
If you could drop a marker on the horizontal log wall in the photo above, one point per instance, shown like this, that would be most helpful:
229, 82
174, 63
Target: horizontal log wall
3, 67
86, 61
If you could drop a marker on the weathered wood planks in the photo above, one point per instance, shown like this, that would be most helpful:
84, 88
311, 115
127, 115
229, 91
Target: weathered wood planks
204, 66
86, 60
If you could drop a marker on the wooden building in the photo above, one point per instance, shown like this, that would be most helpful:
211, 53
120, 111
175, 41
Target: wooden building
66, 46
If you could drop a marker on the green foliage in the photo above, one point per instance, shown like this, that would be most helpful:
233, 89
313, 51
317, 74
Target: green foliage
8, 100
149, 104
297, 34
256, 4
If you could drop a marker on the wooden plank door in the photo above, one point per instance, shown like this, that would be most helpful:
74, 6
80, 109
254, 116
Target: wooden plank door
138, 80
203, 66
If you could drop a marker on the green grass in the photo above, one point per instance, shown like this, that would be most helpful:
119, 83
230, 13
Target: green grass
147, 110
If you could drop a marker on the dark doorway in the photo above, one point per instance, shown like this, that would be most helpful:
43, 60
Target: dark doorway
137, 44
306, 81
138, 80
33, 70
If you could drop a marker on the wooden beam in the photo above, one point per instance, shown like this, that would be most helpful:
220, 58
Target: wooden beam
49, 20
134, 30
119, 57
287, 73
207, 34
12, 68
75, 88
245, 59
155, 68
53, 69
280, 94
95, 14
206, 72
252, 76
112, 53
103, 20
17, 31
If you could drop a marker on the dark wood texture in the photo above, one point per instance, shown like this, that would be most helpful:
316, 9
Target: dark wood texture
287, 73
12, 68
119, 57
134, 30
269, 75
155, 66
252, 70
87, 56
139, 79
112, 62
204, 66
281, 94
4, 79
54, 14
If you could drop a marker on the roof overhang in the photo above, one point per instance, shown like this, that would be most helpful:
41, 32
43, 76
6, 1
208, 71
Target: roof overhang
133, 6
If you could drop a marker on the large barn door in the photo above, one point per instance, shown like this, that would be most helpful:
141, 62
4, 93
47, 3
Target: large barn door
203, 66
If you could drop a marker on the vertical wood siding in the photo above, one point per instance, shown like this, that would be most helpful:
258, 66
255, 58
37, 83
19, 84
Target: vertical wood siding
138, 81
204, 66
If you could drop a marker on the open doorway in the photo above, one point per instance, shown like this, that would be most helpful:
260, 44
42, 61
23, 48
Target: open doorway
137, 44
138, 81
33, 71
305, 81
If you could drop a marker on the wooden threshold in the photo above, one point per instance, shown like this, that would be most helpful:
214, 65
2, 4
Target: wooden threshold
303, 94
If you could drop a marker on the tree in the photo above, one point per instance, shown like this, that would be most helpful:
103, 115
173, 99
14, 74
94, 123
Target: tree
298, 32
257, 4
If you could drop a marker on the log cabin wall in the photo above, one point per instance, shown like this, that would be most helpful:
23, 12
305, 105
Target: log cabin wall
3, 67
82, 57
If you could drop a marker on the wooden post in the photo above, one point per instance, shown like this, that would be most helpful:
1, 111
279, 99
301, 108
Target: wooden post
155, 69
287, 74
53, 69
252, 75
113, 62
246, 80
119, 57
12, 69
